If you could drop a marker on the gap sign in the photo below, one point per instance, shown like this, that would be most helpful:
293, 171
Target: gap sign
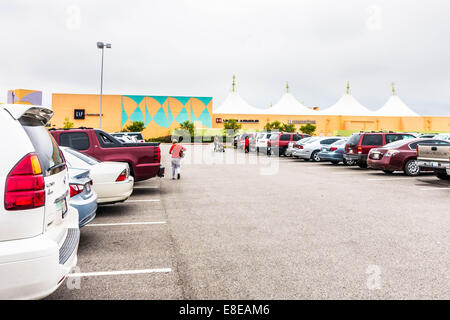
79, 114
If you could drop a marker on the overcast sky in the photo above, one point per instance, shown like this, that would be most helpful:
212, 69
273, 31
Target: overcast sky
193, 47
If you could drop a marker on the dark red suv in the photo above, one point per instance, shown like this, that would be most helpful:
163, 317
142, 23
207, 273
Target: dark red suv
279, 141
359, 144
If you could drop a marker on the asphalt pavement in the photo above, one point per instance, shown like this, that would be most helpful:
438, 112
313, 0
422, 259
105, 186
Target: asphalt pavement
243, 226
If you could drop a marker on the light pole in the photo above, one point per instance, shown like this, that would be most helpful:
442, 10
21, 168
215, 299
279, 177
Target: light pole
102, 45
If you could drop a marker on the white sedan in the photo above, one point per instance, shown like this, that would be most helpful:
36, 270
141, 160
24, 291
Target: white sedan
111, 180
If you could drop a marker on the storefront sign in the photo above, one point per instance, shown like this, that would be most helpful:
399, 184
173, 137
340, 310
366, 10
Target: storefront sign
79, 114
301, 121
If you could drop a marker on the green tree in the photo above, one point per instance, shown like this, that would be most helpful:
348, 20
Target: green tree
308, 128
288, 128
189, 126
232, 124
135, 126
67, 124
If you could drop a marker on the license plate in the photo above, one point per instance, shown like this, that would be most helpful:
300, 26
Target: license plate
61, 206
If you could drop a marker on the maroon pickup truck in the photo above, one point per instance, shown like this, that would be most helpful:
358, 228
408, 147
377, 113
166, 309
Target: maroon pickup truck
143, 158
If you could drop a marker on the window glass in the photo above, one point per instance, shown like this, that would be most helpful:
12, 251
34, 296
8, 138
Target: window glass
354, 139
46, 149
329, 141
83, 157
297, 137
395, 137
76, 140
285, 137
372, 140
395, 144
274, 136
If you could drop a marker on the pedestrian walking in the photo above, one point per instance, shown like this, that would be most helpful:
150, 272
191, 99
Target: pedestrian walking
216, 142
176, 151
247, 144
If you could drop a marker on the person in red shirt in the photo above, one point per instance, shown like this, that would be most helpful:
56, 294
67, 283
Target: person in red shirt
247, 144
175, 151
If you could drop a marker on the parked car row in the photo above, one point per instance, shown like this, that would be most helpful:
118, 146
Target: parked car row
53, 182
386, 151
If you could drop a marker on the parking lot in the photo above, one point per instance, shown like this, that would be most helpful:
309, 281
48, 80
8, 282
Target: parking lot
307, 231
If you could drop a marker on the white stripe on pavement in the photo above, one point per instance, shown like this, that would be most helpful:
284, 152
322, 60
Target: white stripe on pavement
434, 189
144, 200
388, 179
124, 224
121, 272
146, 187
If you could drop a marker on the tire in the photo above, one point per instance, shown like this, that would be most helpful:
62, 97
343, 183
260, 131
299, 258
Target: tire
362, 165
315, 156
411, 168
388, 171
335, 162
442, 174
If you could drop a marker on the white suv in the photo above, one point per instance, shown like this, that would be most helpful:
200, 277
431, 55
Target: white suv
39, 231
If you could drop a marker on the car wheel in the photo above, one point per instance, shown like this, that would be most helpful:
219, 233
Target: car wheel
442, 174
388, 171
335, 162
412, 168
362, 165
315, 156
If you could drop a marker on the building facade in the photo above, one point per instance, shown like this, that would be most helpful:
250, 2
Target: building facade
160, 114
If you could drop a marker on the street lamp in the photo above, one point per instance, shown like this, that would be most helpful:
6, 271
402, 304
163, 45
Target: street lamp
102, 45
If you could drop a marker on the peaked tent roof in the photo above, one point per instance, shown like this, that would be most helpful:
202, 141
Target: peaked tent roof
234, 104
395, 107
347, 105
290, 106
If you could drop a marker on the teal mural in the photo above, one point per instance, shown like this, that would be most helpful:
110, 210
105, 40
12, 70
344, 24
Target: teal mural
143, 110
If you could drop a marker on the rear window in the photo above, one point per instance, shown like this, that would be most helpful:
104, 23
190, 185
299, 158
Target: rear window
46, 149
76, 140
372, 140
354, 139
329, 141
340, 142
296, 137
137, 135
395, 137
85, 158
414, 145
274, 136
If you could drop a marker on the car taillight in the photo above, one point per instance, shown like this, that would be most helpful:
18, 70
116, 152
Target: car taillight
333, 149
359, 149
123, 175
25, 186
75, 189
157, 155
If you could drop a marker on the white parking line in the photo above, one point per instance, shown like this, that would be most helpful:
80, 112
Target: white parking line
144, 200
124, 224
388, 179
434, 189
121, 272
351, 172
146, 187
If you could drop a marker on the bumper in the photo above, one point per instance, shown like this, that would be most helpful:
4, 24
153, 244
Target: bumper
355, 157
434, 164
34, 268
382, 164
148, 170
86, 208
115, 191
302, 154
331, 156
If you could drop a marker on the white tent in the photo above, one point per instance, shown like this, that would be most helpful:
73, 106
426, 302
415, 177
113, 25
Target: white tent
395, 107
234, 104
347, 105
288, 105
